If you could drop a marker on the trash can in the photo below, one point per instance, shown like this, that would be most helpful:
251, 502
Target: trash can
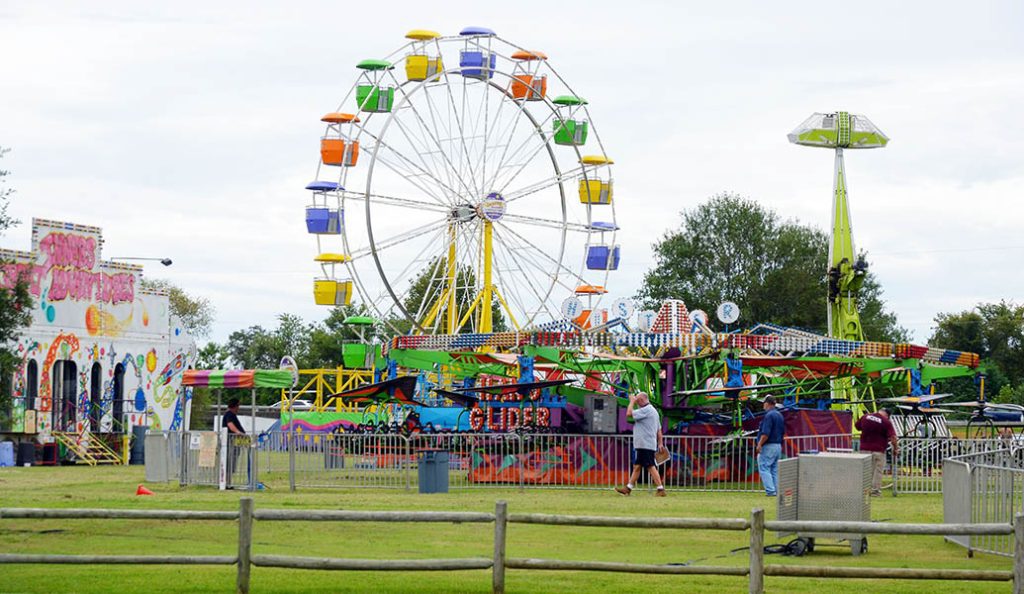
6, 453
26, 453
433, 471
138, 451
334, 457
51, 454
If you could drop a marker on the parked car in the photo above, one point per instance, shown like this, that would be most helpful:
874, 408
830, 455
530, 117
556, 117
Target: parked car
296, 405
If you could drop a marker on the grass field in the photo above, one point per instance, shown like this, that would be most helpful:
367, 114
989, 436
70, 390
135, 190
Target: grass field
114, 487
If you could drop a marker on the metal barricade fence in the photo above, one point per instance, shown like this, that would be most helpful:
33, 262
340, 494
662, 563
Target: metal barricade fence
242, 462
163, 456
475, 460
350, 460
984, 487
528, 460
200, 458
273, 461
535, 460
918, 467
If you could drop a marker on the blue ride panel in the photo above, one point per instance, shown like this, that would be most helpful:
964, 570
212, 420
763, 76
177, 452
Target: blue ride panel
602, 257
477, 64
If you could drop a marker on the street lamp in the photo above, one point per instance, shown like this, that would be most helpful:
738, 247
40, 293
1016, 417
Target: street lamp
164, 261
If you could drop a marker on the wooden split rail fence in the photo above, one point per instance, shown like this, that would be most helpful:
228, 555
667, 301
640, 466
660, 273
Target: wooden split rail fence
499, 562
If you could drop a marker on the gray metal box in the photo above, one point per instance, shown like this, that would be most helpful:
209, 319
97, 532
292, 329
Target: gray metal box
835, 487
600, 413
789, 489
830, 486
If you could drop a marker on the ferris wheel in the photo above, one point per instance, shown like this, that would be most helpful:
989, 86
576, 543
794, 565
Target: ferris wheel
457, 192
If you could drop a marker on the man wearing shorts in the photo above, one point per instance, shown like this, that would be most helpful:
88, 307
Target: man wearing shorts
647, 439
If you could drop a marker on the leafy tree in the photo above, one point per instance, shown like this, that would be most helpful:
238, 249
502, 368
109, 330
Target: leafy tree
196, 313
258, 348
732, 248
213, 356
15, 308
995, 331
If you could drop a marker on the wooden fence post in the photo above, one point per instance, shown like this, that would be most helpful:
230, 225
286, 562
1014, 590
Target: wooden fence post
244, 544
757, 551
1018, 554
498, 570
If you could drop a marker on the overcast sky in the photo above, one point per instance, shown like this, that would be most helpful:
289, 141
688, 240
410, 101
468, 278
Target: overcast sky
188, 129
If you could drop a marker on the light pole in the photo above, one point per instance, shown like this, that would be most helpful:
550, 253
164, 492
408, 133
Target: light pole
164, 261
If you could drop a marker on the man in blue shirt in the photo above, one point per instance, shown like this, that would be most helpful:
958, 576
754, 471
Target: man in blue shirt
769, 446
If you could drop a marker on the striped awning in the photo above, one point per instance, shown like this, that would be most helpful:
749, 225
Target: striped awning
238, 378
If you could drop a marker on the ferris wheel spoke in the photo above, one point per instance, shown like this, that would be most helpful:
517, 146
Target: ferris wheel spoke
509, 132
542, 222
509, 161
411, 178
479, 136
525, 279
420, 151
479, 157
540, 276
413, 170
433, 137
405, 203
464, 126
435, 120
522, 166
542, 185
543, 254
398, 239
459, 124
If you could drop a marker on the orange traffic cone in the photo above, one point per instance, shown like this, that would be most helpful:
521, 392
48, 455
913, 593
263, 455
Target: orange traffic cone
143, 491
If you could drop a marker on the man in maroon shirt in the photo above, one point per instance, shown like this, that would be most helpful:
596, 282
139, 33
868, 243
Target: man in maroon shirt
876, 432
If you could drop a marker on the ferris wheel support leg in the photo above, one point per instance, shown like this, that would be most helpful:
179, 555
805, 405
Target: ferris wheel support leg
469, 311
487, 297
435, 309
508, 310
453, 311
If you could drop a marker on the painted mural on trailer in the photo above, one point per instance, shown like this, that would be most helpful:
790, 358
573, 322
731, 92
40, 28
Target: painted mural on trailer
102, 354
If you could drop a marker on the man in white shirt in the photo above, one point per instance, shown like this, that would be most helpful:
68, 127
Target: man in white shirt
647, 439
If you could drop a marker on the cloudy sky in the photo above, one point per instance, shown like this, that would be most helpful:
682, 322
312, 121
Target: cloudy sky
188, 129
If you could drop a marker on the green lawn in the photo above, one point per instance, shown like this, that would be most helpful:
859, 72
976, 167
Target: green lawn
114, 487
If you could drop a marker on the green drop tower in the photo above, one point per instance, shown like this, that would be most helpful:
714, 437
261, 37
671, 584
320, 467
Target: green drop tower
838, 131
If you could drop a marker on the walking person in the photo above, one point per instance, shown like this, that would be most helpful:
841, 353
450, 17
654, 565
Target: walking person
876, 433
647, 439
234, 426
769, 446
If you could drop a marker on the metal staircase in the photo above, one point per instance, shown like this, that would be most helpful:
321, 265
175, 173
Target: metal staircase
89, 448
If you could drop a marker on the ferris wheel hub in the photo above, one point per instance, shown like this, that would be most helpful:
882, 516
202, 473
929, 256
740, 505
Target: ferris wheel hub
463, 213
492, 207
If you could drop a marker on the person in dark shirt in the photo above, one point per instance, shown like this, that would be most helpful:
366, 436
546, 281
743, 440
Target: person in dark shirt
769, 446
876, 433
230, 422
